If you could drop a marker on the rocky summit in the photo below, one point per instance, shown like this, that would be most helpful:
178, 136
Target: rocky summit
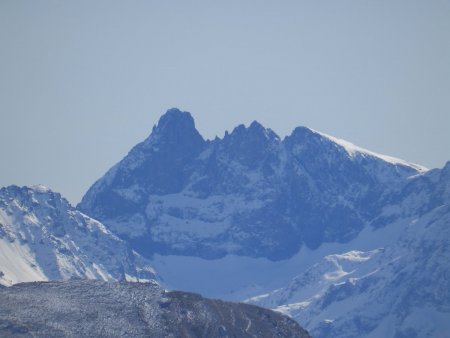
249, 193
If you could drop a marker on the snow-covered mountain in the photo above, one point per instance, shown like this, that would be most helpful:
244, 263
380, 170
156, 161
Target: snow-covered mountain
401, 288
249, 194
42, 237
349, 242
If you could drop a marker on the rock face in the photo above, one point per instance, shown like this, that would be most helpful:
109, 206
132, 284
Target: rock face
79, 308
248, 194
42, 237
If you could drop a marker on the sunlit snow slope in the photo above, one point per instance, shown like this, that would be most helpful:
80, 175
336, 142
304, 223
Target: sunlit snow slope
43, 238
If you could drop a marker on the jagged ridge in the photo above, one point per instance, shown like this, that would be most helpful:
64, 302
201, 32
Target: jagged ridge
249, 194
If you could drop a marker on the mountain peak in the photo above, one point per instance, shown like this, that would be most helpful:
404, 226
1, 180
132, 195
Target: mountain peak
40, 188
174, 128
255, 129
255, 125
447, 166
14, 190
302, 131
175, 119
307, 135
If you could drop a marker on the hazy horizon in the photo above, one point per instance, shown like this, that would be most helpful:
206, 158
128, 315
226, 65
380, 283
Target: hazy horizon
82, 82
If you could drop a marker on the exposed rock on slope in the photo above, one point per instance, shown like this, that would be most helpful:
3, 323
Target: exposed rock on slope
98, 309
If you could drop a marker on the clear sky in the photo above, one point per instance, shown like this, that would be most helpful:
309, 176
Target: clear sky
81, 82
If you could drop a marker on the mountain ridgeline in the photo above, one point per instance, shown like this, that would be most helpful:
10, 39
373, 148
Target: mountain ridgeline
248, 194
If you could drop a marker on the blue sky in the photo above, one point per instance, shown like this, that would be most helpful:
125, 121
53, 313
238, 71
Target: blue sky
81, 82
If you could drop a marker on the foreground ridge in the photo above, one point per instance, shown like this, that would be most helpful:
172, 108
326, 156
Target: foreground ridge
56, 309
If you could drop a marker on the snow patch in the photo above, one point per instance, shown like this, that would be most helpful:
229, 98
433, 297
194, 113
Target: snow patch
354, 150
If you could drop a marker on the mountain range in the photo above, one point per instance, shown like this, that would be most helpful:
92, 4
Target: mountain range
349, 242
249, 194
